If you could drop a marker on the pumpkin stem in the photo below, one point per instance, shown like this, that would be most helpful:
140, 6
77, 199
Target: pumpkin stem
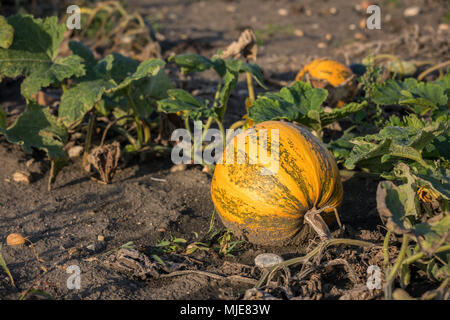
315, 220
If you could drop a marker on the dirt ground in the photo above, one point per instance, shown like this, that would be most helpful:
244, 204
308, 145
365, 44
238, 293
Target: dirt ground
148, 202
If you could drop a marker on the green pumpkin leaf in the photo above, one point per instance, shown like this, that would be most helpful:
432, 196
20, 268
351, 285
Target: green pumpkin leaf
391, 206
192, 62
33, 54
80, 99
341, 147
431, 235
145, 69
420, 96
6, 33
113, 75
391, 143
87, 58
255, 71
116, 67
301, 103
291, 103
37, 128
146, 92
182, 101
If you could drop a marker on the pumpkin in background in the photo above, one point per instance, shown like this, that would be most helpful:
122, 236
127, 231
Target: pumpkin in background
325, 69
269, 209
331, 75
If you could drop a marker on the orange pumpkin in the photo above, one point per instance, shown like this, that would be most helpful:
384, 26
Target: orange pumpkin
269, 209
325, 69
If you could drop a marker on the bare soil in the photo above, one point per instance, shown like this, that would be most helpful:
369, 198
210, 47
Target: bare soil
147, 202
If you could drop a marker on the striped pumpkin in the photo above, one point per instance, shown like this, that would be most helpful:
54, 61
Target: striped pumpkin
269, 209
325, 69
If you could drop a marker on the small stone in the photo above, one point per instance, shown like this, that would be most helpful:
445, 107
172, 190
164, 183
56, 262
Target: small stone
333, 10
411, 11
365, 5
352, 26
360, 36
388, 17
178, 167
282, 12
321, 45
22, 177
362, 24
100, 238
267, 260
230, 9
299, 33
328, 37
95, 247
15, 239
308, 12
75, 152
72, 251
443, 27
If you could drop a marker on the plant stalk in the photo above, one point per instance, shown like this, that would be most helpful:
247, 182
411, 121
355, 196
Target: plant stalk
395, 268
136, 118
87, 144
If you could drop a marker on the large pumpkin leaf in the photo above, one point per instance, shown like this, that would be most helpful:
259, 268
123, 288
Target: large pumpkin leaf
6, 33
391, 143
182, 101
420, 96
87, 58
291, 103
301, 103
145, 69
80, 99
395, 204
192, 62
113, 75
437, 180
33, 54
444, 83
228, 70
116, 67
37, 128
431, 235
146, 92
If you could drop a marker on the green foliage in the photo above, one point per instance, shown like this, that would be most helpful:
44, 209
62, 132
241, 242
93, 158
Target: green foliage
419, 97
301, 103
6, 33
379, 152
111, 76
400, 210
38, 128
342, 147
228, 71
33, 54
171, 245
